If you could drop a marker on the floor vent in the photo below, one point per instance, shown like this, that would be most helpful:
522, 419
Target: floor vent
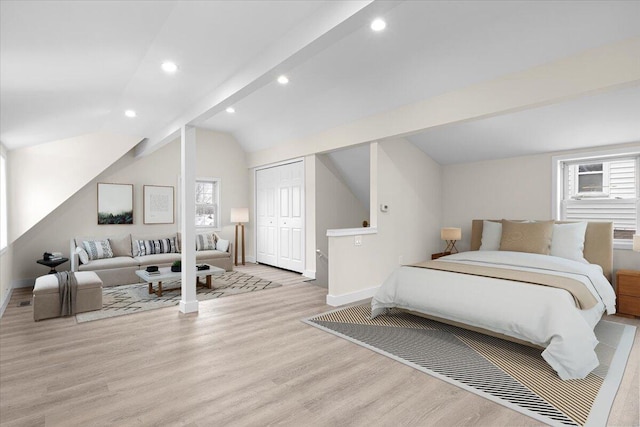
24, 303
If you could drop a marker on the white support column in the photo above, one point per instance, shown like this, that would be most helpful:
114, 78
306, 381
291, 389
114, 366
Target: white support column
188, 301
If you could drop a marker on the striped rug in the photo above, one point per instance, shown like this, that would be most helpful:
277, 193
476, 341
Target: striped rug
511, 374
135, 298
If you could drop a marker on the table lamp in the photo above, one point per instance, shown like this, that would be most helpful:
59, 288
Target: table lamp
239, 216
450, 235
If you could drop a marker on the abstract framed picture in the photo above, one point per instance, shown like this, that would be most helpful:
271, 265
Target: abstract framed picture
115, 203
158, 205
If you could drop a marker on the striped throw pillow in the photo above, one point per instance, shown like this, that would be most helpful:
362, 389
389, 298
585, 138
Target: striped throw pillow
160, 246
206, 242
98, 249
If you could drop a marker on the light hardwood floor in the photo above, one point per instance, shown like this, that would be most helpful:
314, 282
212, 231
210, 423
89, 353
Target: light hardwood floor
245, 360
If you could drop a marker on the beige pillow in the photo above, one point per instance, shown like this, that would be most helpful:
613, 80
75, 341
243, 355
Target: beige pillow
531, 237
121, 245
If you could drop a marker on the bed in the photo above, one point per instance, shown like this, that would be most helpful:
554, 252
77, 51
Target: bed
558, 319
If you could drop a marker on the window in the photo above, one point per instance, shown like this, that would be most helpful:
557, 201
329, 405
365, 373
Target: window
4, 211
208, 203
602, 187
591, 179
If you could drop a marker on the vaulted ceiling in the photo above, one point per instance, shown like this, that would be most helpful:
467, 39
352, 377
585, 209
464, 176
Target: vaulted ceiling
68, 68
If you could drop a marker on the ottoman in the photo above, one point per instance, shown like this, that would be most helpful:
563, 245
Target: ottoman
46, 297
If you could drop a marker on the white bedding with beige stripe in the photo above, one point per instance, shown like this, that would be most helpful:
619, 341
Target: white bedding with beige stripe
543, 315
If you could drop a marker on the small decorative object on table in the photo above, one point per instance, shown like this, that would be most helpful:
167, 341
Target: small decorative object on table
177, 266
202, 267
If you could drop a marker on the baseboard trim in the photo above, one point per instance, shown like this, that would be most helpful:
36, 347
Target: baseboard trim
351, 297
23, 283
5, 303
187, 307
250, 259
311, 274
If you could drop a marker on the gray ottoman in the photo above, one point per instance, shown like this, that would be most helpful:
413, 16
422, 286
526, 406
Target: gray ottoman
46, 297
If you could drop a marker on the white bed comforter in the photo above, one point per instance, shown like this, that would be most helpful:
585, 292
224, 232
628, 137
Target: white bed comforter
542, 315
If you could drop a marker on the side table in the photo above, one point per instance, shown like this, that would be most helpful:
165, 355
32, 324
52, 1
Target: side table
439, 255
52, 263
628, 292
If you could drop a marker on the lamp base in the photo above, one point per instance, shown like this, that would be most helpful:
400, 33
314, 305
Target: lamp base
451, 247
241, 226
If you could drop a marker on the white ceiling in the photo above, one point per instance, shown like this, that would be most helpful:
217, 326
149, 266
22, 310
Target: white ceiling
595, 120
68, 68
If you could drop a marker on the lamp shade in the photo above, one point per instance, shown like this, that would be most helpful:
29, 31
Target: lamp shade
636, 242
239, 215
450, 233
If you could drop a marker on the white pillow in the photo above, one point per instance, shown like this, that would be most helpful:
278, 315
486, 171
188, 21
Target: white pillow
222, 245
83, 255
205, 242
567, 241
98, 249
491, 236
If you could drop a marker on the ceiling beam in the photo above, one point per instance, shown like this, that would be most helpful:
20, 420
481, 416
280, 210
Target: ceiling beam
330, 24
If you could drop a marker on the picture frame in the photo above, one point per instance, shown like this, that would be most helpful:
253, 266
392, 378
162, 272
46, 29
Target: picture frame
115, 203
159, 204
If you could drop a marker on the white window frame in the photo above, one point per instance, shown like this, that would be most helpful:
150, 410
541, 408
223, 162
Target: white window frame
592, 194
218, 226
4, 202
557, 180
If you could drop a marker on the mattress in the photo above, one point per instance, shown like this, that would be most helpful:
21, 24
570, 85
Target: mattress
542, 315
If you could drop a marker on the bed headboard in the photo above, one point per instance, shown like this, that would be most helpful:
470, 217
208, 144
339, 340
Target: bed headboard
598, 243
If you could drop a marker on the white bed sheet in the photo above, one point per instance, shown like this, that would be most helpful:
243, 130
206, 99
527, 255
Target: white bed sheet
541, 315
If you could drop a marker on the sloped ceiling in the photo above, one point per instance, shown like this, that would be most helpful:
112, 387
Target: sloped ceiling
68, 68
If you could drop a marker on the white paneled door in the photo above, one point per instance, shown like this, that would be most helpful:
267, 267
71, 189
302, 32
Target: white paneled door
280, 216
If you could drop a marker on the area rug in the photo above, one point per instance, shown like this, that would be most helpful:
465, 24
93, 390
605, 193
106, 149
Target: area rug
510, 374
135, 298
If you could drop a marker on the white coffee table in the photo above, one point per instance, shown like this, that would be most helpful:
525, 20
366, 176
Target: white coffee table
165, 274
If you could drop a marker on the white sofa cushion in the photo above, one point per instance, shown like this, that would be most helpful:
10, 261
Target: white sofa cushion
107, 263
201, 255
157, 259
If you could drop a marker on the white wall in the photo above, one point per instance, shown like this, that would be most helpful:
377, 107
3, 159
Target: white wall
218, 156
515, 188
409, 182
44, 176
336, 207
6, 254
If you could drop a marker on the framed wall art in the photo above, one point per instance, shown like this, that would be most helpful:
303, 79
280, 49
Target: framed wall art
115, 203
159, 204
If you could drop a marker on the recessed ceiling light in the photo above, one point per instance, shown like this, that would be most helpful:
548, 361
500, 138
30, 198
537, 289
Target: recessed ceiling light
283, 80
378, 24
230, 110
169, 67
130, 113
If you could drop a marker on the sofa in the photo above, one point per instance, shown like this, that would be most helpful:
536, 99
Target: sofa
116, 261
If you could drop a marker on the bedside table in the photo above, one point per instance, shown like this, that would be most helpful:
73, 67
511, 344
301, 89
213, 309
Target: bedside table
628, 292
52, 263
439, 255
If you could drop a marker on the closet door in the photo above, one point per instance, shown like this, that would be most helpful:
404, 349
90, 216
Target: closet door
290, 221
280, 216
267, 216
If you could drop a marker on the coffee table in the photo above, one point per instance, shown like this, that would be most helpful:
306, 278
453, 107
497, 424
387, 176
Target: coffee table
165, 273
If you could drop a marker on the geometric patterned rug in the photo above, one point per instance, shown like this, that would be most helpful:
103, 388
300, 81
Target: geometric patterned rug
135, 298
508, 373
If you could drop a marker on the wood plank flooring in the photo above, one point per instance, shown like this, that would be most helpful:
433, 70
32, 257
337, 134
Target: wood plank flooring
244, 360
